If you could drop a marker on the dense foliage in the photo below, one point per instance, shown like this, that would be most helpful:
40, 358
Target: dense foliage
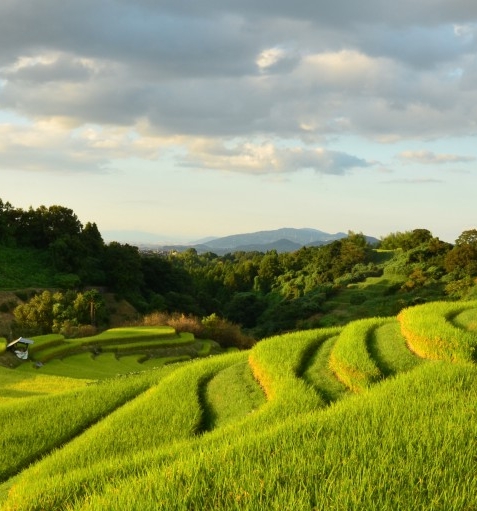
265, 293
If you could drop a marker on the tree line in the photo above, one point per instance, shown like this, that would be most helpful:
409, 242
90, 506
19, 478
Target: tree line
265, 293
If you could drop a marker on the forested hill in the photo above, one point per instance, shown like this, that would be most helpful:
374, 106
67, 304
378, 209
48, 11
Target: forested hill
264, 292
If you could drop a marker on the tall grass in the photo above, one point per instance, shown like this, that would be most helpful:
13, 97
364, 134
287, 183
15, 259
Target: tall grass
231, 395
167, 413
409, 442
350, 358
34, 426
430, 333
388, 348
319, 374
15, 384
406, 444
276, 364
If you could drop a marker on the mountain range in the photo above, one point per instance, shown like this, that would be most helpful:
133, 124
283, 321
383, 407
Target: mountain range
282, 240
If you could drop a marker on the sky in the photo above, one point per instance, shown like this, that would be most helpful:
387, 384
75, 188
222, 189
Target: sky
192, 119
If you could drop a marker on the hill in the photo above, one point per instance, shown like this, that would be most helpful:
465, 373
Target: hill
282, 240
339, 418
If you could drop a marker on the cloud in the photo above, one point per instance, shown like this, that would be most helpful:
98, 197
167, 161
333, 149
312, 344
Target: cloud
430, 158
304, 72
267, 158
50, 146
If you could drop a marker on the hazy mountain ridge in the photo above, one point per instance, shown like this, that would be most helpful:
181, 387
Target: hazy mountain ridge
282, 240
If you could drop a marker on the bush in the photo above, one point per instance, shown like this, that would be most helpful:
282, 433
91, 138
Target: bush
225, 333
183, 323
212, 327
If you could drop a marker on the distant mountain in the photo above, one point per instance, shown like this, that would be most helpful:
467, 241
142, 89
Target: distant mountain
281, 240
298, 236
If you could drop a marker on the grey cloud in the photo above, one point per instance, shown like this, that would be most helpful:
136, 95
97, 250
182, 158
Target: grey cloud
58, 69
194, 68
418, 46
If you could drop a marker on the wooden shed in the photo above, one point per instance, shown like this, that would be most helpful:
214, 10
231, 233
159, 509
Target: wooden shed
20, 347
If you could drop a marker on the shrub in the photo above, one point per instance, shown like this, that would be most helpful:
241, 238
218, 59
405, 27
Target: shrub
211, 327
183, 323
225, 333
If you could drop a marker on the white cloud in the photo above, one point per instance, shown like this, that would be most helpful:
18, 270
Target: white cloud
52, 146
430, 158
266, 158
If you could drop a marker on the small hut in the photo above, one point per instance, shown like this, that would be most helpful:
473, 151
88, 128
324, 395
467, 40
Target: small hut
20, 347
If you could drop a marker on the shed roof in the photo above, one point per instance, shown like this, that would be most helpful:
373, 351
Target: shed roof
22, 340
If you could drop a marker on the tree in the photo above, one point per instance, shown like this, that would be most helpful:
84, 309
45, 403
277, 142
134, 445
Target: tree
123, 268
468, 237
88, 307
36, 316
6, 228
462, 259
406, 240
268, 270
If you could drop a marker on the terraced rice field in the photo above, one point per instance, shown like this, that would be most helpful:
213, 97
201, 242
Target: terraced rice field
340, 419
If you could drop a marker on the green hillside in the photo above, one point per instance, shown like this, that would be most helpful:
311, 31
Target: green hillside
264, 293
333, 418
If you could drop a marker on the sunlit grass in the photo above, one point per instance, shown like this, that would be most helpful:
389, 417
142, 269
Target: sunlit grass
350, 358
392, 448
232, 394
33, 426
321, 377
255, 430
388, 348
430, 332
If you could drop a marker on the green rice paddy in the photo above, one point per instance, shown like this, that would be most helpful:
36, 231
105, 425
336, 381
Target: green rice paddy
370, 416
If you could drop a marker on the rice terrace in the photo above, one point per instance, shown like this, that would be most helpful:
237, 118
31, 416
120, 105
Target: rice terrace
377, 414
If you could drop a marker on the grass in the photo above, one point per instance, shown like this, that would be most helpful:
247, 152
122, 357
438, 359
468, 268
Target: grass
115, 351
115, 339
231, 395
268, 429
350, 358
430, 332
36, 425
320, 376
388, 348
466, 319
16, 384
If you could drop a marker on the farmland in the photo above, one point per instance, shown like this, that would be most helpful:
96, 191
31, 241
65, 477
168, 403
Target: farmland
378, 414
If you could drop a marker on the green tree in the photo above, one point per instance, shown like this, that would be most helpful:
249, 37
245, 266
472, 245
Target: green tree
123, 268
462, 259
268, 270
6, 228
88, 307
36, 316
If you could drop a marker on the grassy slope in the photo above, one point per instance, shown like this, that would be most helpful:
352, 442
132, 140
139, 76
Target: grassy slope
115, 351
204, 438
25, 268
